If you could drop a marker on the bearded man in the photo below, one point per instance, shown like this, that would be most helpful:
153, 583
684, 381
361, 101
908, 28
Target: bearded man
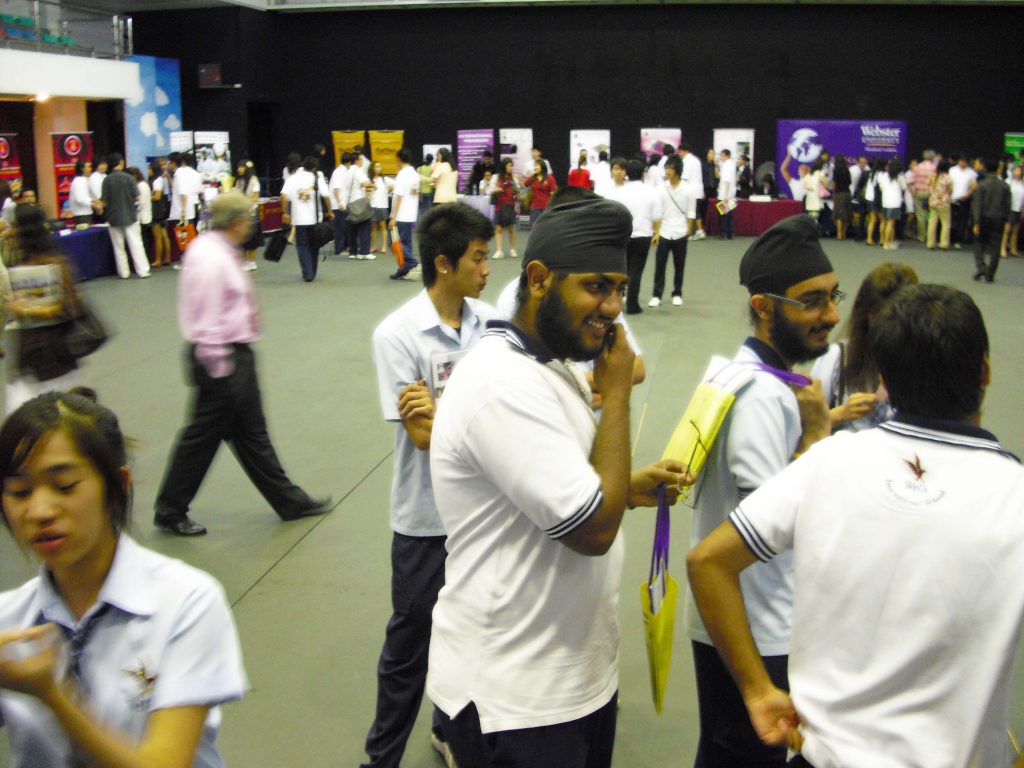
793, 296
531, 491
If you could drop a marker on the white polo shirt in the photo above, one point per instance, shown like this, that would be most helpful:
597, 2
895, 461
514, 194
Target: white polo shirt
601, 175
909, 592
412, 344
693, 175
643, 203
727, 179
962, 179
168, 640
188, 182
525, 628
301, 190
338, 186
756, 442
407, 186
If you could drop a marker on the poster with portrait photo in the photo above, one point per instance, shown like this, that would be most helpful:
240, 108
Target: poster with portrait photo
213, 156
517, 143
653, 140
593, 141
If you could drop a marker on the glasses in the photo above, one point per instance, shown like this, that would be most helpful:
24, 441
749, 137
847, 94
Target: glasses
817, 304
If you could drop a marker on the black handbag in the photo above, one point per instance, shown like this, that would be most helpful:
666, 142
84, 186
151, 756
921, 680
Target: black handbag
322, 234
275, 246
85, 333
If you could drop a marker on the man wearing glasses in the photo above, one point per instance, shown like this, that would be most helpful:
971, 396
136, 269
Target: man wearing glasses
793, 297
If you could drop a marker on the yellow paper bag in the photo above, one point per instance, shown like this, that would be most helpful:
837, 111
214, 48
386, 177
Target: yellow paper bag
658, 632
696, 431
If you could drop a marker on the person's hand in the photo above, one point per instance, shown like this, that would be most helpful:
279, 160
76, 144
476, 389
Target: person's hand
858, 405
415, 400
977, 230
595, 394
613, 368
775, 719
814, 414
330, 215
655, 238
28, 660
286, 218
644, 482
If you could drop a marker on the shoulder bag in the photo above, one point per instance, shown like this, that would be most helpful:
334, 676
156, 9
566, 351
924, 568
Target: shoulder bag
358, 210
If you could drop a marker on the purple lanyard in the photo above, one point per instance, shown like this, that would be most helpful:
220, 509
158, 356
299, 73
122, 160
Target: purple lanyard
787, 376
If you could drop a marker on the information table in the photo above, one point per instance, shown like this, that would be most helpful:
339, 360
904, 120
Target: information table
752, 218
90, 251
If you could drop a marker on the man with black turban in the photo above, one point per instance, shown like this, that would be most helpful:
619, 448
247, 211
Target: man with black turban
793, 297
531, 491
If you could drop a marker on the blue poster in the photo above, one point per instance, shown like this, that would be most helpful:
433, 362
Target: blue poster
149, 120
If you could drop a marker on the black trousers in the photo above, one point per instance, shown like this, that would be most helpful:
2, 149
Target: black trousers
727, 739
678, 250
636, 260
417, 575
584, 743
226, 409
340, 231
959, 219
307, 256
726, 226
990, 240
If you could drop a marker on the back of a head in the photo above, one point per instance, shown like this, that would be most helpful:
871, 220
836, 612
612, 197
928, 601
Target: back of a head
309, 164
32, 230
571, 194
404, 155
634, 170
930, 345
114, 159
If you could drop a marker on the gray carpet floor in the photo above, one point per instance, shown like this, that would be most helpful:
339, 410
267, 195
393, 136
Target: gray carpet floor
311, 598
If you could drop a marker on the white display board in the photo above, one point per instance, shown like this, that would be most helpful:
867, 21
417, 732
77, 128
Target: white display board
517, 143
653, 140
739, 141
592, 140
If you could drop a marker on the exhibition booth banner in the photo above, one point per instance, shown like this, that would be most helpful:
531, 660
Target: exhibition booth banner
471, 146
10, 161
516, 143
653, 140
384, 146
593, 141
213, 156
739, 141
1013, 143
181, 141
68, 149
345, 141
804, 140
150, 118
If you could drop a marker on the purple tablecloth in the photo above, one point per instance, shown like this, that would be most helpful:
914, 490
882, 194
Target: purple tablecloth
90, 251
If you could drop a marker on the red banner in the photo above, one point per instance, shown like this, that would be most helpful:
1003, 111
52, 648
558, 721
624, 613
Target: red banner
68, 149
10, 161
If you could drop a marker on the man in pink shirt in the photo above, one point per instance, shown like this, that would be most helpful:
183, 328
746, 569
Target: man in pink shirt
922, 178
219, 319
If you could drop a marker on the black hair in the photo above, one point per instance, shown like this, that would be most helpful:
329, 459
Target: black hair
620, 161
602, 156
174, 157
685, 147
114, 158
135, 173
675, 163
444, 155
347, 157
294, 161
32, 230
155, 170
447, 230
893, 167
428, 158
80, 167
634, 170
249, 172
404, 155
668, 149
930, 344
93, 429
310, 164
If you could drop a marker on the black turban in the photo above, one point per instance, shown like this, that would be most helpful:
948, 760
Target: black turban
788, 253
582, 236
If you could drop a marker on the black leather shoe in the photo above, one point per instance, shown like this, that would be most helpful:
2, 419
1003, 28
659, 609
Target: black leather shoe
978, 276
313, 508
180, 526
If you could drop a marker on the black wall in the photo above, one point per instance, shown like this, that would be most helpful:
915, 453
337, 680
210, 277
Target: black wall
951, 72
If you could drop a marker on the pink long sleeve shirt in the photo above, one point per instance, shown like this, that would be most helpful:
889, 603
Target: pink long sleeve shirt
216, 302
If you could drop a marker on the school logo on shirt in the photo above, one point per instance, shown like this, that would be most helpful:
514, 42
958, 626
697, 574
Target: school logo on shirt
146, 682
305, 196
912, 490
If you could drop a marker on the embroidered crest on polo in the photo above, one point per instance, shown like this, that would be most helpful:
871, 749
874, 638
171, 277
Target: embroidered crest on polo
146, 683
915, 467
913, 491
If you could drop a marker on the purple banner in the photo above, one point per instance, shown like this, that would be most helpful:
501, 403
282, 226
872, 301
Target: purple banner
471, 146
800, 142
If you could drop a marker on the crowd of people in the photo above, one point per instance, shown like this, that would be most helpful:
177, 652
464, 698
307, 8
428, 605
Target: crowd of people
856, 597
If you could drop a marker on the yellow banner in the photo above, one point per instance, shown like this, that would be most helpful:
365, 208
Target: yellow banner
384, 146
346, 141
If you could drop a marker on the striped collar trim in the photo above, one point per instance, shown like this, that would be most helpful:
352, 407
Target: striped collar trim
948, 432
514, 336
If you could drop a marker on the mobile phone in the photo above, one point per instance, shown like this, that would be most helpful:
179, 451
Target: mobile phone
609, 336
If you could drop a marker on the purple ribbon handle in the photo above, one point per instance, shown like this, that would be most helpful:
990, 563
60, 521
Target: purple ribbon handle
787, 376
662, 534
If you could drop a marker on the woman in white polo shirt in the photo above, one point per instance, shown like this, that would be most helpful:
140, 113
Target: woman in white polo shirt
114, 656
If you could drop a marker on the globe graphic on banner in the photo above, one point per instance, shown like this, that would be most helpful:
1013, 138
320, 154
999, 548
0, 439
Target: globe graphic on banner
804, 145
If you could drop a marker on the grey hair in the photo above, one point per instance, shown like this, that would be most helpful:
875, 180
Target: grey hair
229, 208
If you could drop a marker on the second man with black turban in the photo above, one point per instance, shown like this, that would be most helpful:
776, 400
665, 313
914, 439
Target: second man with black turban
793, 295
531, 490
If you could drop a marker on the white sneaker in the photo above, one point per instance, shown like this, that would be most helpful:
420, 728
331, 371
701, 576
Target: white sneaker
416, 273
353, 256
654, 302
677, 301
368, 256
250, 266
441, 747
345, 253
700, 234
512, 254
498, 255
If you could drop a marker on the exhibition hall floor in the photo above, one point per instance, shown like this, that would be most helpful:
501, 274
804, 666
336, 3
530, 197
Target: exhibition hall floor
311, 597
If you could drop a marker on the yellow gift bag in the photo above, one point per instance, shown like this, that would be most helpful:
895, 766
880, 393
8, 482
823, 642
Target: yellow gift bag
658, 598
